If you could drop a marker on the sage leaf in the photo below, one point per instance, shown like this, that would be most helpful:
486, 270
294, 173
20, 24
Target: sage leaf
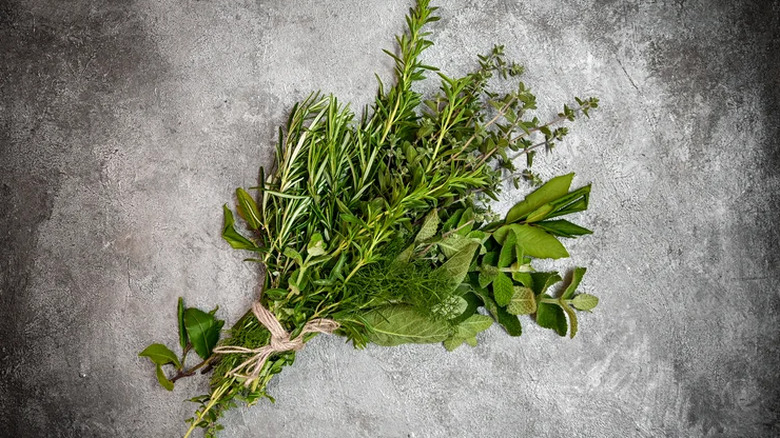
247, 208
164, 382
180, 320
233, 237
575, 281
429, 227
203, 330
585, 302
503, 289
550, 191
523, 301
160, 355
402, 324
453, 244
551, 316
457, 266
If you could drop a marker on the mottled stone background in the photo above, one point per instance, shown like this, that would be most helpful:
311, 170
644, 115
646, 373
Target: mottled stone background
125, 125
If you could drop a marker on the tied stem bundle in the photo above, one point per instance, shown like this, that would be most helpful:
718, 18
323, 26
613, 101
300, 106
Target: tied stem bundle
279, 343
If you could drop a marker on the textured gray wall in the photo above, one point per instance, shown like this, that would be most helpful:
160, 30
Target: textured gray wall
125, 125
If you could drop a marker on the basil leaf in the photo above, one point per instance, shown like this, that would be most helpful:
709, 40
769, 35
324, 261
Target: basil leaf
164, 382
247, 208
160, 355
232, 236
538, 243
203, 330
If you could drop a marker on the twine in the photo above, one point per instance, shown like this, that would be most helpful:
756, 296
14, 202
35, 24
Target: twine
280, 342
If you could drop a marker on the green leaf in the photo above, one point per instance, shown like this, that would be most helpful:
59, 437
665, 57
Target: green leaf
161, 355
316, 246
538, 243
487, 274
523, 302
232, 236
503, 289
402, 324
551, 316
164, 382
510, 322
247, 208
573, 325
585, 302
543, 280
454, 244
563, 228
293, 254
180, 319
472, 303
429, 227
508, 251
457, 266
550, 191
575, 281
467, 330
203, 330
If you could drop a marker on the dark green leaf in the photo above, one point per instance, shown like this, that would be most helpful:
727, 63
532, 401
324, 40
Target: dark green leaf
164, 382
180, 319
508, 251
203, 330
563, 228
247, 208
473, 302
551, 316
232, 236
160, 354
543, 280
510, 322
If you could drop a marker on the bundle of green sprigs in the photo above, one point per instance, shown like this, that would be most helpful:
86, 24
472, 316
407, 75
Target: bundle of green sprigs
379, 229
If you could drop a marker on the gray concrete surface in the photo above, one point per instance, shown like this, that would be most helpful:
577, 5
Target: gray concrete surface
125, 125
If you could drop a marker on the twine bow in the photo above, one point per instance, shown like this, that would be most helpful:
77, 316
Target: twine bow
280, 342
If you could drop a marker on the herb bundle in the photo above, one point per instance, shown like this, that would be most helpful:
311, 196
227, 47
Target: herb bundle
379, 229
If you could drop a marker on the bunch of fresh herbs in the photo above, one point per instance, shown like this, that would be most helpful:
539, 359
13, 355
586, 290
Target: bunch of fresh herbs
382, 223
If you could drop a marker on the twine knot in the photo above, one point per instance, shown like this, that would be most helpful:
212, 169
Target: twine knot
279, 343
